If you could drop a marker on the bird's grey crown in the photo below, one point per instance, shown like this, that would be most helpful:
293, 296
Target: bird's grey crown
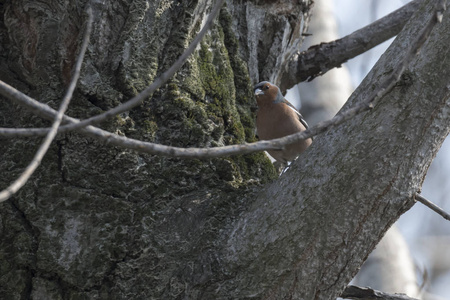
260, 85
278, 99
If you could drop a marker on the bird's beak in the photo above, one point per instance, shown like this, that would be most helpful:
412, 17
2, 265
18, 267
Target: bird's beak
259, 92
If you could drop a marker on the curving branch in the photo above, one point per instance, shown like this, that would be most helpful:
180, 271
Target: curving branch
314, 62
23, 178
151, 148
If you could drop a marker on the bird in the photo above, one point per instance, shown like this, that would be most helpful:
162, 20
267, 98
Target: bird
275, 118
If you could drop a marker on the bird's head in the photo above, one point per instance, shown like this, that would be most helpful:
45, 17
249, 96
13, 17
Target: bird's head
266, 92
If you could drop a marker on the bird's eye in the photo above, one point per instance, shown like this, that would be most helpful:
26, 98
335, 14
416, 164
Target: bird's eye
266, 87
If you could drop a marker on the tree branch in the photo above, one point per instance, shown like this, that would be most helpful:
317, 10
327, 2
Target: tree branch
319, 59
433, 206
359, 293
23, 178
316, 61
156, 149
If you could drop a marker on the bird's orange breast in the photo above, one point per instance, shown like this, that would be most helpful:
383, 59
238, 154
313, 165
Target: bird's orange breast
278, 120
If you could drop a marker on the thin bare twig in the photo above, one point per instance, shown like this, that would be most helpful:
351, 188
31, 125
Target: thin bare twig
433, 206
319, 59
23, 132
359, 293
383, 88
316, 61
23, 178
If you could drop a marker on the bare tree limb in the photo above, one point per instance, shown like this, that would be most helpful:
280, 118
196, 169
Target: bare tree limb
22, 132
355, 292
319, 59
157, 149
316, 61
23, 178
433, 206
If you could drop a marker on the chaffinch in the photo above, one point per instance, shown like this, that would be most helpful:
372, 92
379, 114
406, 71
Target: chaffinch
276, 118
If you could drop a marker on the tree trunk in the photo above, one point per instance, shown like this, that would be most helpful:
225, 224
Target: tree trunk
100, 222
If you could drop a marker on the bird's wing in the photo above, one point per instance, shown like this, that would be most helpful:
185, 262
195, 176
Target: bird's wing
300, 117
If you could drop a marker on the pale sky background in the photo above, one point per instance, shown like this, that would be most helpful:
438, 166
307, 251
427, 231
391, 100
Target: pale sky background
427, 233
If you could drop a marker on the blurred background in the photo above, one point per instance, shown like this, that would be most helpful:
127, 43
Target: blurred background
414, 256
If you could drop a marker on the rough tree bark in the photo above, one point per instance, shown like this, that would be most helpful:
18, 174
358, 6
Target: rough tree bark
106, 223
102, 222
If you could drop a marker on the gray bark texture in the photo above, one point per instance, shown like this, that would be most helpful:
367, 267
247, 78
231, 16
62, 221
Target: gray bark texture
98, 222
